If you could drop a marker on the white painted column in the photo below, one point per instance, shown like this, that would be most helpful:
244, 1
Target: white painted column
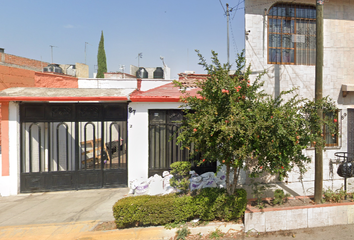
10, 185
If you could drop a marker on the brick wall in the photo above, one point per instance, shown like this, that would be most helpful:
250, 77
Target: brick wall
31, 64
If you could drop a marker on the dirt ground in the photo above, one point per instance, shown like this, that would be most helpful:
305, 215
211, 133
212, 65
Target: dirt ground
339, 232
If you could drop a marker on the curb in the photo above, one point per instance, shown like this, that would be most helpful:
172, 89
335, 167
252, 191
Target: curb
151, 233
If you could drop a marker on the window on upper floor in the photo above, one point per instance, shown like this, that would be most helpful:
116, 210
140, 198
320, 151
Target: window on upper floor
292, 34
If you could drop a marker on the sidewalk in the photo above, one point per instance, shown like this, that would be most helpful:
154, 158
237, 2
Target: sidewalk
73, 215
82, 231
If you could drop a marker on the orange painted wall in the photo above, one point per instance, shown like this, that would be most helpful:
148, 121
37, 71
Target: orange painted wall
15, 77
5, 137
50, 80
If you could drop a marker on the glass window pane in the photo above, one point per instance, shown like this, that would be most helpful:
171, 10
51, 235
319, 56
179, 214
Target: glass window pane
301, 56
312, 42
300, 12
311, 13
274, 40
288, 26
274, 55
301, 27
286, 11
273, 11
330, 140
274, 25
288, 56
287, 36
288, 41
311, 28
312, 57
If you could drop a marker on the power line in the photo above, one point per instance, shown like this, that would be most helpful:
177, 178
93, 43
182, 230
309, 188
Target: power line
233, 40
222, 6
238, 4
256, 5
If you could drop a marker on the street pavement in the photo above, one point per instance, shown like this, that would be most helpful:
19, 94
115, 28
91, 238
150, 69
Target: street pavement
74, 214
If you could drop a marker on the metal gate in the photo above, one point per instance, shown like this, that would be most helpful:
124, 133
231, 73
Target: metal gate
350, 131
67, 146
164, 126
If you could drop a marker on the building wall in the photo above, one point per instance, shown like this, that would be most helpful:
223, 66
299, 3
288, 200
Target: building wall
82, 70
138, 137
338, 59
10, 172
118, 75
50, 80
21, 62
146, 84
15, 77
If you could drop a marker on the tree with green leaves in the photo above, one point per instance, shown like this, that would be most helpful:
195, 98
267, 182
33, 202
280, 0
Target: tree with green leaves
237, 124
101, 59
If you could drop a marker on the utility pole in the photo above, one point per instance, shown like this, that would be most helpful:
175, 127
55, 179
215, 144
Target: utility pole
227, 17
318, 96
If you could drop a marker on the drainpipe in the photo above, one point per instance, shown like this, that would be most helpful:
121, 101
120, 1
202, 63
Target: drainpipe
264, 27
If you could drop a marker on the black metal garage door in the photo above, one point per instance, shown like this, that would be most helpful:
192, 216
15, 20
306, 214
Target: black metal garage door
68, 146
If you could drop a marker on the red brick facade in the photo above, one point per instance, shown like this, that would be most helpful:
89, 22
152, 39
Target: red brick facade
23, 72
7, 59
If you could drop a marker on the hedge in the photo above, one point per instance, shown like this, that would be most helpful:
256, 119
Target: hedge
208, 204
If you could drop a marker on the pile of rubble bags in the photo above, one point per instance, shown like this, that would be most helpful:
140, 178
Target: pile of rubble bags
206, 180
157, 185
154, 185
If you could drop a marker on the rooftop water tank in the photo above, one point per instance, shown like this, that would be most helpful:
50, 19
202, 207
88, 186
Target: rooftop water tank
142, 73
53, 68
158, 73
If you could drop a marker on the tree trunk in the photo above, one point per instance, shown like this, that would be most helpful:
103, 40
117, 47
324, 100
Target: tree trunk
228, 187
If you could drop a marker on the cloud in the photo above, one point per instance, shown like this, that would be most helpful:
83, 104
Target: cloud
69, 26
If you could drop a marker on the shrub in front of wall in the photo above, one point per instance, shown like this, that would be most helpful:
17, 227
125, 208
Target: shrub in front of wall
144, 210
184, 209
214, 203
180, 172
207, 204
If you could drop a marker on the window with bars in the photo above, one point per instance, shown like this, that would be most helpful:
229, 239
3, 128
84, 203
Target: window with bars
164, 127
331, 139
292, 34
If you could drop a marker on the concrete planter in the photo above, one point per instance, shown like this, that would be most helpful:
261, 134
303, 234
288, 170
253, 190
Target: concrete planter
287, 218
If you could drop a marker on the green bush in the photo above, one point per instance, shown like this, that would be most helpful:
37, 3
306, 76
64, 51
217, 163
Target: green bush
180, 172
280, 197
214, 203
208, 204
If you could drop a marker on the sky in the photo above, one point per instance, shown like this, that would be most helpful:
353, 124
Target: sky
168, 28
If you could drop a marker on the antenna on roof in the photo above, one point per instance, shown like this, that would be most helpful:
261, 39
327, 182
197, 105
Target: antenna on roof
85, 50
122, 69
163, 62
51, 48
140, 55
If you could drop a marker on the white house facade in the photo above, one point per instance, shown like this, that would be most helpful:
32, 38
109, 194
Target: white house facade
281, 39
